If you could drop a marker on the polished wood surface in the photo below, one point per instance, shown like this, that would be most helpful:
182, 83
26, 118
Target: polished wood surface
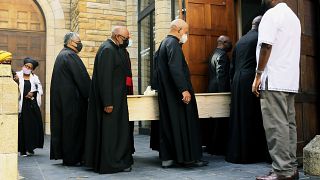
306, 101
207, 19
210, 105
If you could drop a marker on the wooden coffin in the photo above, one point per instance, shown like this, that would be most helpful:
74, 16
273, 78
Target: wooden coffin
210, 105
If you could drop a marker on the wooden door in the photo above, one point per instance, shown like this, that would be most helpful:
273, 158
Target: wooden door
306, 104
22, 32
207, 19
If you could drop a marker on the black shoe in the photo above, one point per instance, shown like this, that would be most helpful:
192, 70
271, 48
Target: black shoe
30, 153
23, 154
198, 163
127, 169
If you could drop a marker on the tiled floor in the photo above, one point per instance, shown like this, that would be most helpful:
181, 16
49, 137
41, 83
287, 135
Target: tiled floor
146, 167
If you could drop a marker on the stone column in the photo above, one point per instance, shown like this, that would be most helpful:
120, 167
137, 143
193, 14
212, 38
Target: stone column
162, 19
8, 125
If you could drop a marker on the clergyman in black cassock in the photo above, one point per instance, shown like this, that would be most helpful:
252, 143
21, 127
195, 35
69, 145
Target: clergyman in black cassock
108, 147
180, 139
68, 103
246, 140
129, 84
215, 130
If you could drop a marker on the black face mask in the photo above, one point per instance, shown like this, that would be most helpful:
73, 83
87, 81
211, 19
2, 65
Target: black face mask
124, 44
265, 6
79, 46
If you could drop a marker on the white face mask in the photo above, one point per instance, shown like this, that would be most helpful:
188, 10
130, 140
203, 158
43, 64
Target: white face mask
184, 38
26, 71
130, 43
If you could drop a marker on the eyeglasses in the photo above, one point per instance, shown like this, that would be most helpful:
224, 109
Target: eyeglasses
124, 38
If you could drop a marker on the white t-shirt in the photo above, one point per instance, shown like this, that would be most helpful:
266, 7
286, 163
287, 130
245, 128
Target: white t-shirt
280, 27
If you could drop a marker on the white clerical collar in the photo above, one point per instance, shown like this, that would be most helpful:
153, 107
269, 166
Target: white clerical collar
113, 41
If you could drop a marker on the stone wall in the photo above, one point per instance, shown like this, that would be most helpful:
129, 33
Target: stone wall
74, 14
57, 19
8, 125
94, 19
132, 25
95, 22
163, 19
65, 4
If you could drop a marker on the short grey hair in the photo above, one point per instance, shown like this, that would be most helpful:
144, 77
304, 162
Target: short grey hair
70, 36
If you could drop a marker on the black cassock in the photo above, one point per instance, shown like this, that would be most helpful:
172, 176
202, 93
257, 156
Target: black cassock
214, 131
108, 147
179, 123
129, 85
247, 142
68, 107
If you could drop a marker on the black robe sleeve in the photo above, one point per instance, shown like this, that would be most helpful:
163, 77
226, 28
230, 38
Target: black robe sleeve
105, 76
176, 67
232, 65
80, 74
222, 71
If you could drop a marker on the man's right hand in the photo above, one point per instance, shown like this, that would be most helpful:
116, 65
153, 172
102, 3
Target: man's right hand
256, 84
108, 109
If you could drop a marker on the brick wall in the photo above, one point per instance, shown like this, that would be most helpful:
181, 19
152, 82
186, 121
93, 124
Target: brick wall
8, 125
163, 19
132, 24
93, 20
65, 4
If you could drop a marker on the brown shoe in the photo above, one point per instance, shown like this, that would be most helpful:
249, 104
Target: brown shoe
274, 176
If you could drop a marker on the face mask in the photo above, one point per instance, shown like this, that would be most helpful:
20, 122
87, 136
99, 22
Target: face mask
125, 43
79, 46
26, 71
184, 38
130, 43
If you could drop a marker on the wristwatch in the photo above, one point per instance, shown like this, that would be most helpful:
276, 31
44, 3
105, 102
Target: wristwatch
258, 71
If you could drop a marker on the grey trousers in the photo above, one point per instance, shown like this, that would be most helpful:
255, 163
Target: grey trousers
279, 122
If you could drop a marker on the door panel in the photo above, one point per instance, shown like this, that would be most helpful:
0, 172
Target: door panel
22, 32
207, 19
306, 100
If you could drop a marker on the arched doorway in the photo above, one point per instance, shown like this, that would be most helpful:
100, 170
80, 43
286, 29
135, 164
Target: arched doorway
23, 33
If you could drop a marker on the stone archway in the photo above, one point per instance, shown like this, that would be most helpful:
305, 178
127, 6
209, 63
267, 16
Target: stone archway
56, 29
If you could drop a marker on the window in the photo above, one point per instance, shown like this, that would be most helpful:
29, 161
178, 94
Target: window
143, 4
175, 9
146, 24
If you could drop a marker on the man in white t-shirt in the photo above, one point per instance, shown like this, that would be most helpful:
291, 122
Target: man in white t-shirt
277, 76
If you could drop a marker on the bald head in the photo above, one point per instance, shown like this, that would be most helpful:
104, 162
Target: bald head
178, 24
256, 21
224, 42
120, 30
179, 28
120, 35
